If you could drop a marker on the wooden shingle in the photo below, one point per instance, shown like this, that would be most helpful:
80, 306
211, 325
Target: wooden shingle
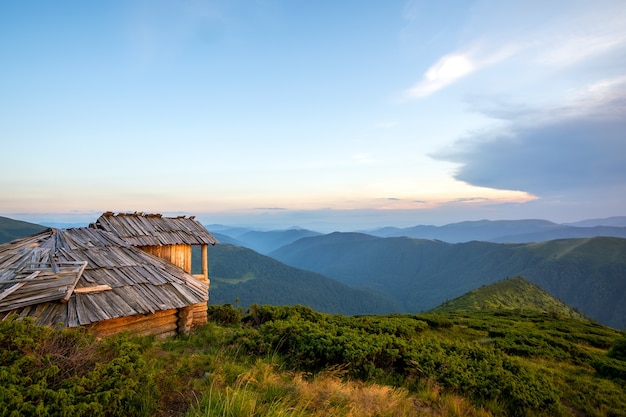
139, 229
38, 275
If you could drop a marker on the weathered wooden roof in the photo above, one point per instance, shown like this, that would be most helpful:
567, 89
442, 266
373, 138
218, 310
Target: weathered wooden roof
85, 275
139, 229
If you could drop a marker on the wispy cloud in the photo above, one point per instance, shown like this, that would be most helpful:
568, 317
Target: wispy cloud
563, 51
455, 66
470, 199
444, 72
559, 41
270, 208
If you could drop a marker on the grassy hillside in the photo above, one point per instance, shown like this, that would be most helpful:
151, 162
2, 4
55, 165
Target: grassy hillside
14, 229
588, 274
515, 294
293, 361
242, 276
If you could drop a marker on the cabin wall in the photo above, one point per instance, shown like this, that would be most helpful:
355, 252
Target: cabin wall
163, 323
200, 315
179, 255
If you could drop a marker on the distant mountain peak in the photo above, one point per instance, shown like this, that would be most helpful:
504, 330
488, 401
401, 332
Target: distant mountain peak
509, 294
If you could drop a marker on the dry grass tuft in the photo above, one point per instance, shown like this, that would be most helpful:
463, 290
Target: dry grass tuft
328, 393
265, 391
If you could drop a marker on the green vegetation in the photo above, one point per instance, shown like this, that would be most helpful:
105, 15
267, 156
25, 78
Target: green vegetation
588, 274
48, 372
294, 361
509, 294
14, 229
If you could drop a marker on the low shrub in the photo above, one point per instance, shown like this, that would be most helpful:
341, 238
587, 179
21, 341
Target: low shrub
618, 350
49, 372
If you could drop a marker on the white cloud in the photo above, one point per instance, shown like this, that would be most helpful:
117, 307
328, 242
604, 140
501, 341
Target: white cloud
591, 37
452, 67
445, 71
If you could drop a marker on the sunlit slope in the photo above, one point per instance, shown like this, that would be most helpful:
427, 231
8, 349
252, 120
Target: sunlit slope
515, 294
588, 274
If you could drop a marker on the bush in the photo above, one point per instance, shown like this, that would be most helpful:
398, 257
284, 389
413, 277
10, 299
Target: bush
49, 372
618, 350
392, 350
610, 368
224, 314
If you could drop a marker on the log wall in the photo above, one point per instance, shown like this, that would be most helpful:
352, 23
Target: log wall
161, 323
200, 315
185, 319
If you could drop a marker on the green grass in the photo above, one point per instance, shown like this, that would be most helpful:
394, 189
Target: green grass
510, 294
294, 361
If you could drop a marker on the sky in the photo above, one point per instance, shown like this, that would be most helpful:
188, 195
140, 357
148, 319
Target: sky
329, 115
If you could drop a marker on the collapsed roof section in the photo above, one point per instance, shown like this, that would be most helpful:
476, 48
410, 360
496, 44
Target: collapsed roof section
85, 275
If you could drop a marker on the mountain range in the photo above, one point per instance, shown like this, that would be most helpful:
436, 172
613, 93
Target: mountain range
505, 231
360, 273
499, 231
257, 240
589, 274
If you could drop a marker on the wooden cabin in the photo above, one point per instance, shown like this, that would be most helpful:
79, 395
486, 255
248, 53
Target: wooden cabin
169, 238
93, 277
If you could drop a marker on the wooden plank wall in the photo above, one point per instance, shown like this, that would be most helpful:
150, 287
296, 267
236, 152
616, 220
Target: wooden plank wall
162, 324
179, 255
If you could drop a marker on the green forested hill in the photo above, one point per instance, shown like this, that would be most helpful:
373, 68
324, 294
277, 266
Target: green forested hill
241, 275
14, 229
588, 274
515, 294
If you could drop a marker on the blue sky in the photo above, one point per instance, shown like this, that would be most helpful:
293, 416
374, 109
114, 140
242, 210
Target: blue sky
332, 115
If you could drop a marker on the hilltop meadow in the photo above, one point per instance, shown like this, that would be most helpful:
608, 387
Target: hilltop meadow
294, 361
